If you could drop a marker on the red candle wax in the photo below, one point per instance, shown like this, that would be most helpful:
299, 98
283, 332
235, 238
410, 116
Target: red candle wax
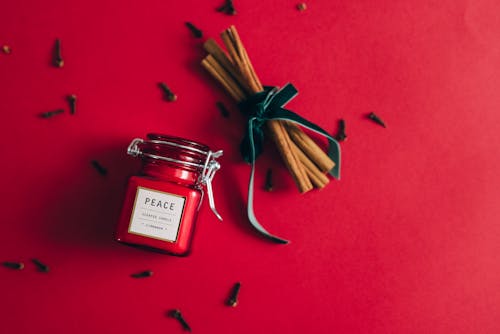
161, 204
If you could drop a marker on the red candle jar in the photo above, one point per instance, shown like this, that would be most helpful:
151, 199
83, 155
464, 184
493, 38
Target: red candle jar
161, 204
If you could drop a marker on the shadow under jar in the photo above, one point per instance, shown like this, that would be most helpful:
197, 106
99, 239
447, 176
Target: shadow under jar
161, 204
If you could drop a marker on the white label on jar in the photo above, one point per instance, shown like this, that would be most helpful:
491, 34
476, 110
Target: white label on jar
156, 214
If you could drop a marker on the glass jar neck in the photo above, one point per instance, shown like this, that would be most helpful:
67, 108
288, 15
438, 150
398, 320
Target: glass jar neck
173, 159
170, 172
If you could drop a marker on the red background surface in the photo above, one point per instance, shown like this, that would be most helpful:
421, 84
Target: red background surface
406, 242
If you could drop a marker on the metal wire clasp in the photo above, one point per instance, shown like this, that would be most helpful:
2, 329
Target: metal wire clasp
209, 169
133, 148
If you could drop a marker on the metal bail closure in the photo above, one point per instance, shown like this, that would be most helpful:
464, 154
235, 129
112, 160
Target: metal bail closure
209, 168
133, 149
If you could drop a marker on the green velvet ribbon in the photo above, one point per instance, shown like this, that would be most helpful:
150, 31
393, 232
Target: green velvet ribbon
265, 106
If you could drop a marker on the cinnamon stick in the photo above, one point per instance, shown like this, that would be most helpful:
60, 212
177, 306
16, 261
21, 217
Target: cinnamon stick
223, 78
227, 77
213, 48
283, 143
233, 45
310, 148
318, 179
243, 53
231, 49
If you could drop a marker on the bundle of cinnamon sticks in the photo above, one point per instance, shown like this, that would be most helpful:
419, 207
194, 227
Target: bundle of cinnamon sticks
233, 69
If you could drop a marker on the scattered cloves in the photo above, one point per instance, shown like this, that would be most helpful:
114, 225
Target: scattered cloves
72, 103
13, 265
58, 60
50, 114
376, 119
197, 33
169, 95
233, 298
227, 7
176, 314
269, 180
301, 6
6, 49
143, 274
223, 110
341, 136
41, 266
99, 168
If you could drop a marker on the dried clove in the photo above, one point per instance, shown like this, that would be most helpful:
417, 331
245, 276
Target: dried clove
99, 168
176, 314
269, 180
223, 110
197, 33
50, 114
143, 274
169, 95
376, 119
13, 265
227, 7
72, 103
6, 49
341, 136
233, 298
301, 6
58, 60
41, 266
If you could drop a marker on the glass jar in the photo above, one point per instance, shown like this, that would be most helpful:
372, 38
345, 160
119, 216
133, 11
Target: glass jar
161, 204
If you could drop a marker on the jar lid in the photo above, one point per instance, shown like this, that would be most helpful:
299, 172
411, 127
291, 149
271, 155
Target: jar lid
178, 142
171, 149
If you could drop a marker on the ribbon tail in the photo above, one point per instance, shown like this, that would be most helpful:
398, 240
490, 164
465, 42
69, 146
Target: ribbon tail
334, 153
250, 212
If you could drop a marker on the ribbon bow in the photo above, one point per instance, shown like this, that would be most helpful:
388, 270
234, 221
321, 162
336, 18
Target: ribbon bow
265, 106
